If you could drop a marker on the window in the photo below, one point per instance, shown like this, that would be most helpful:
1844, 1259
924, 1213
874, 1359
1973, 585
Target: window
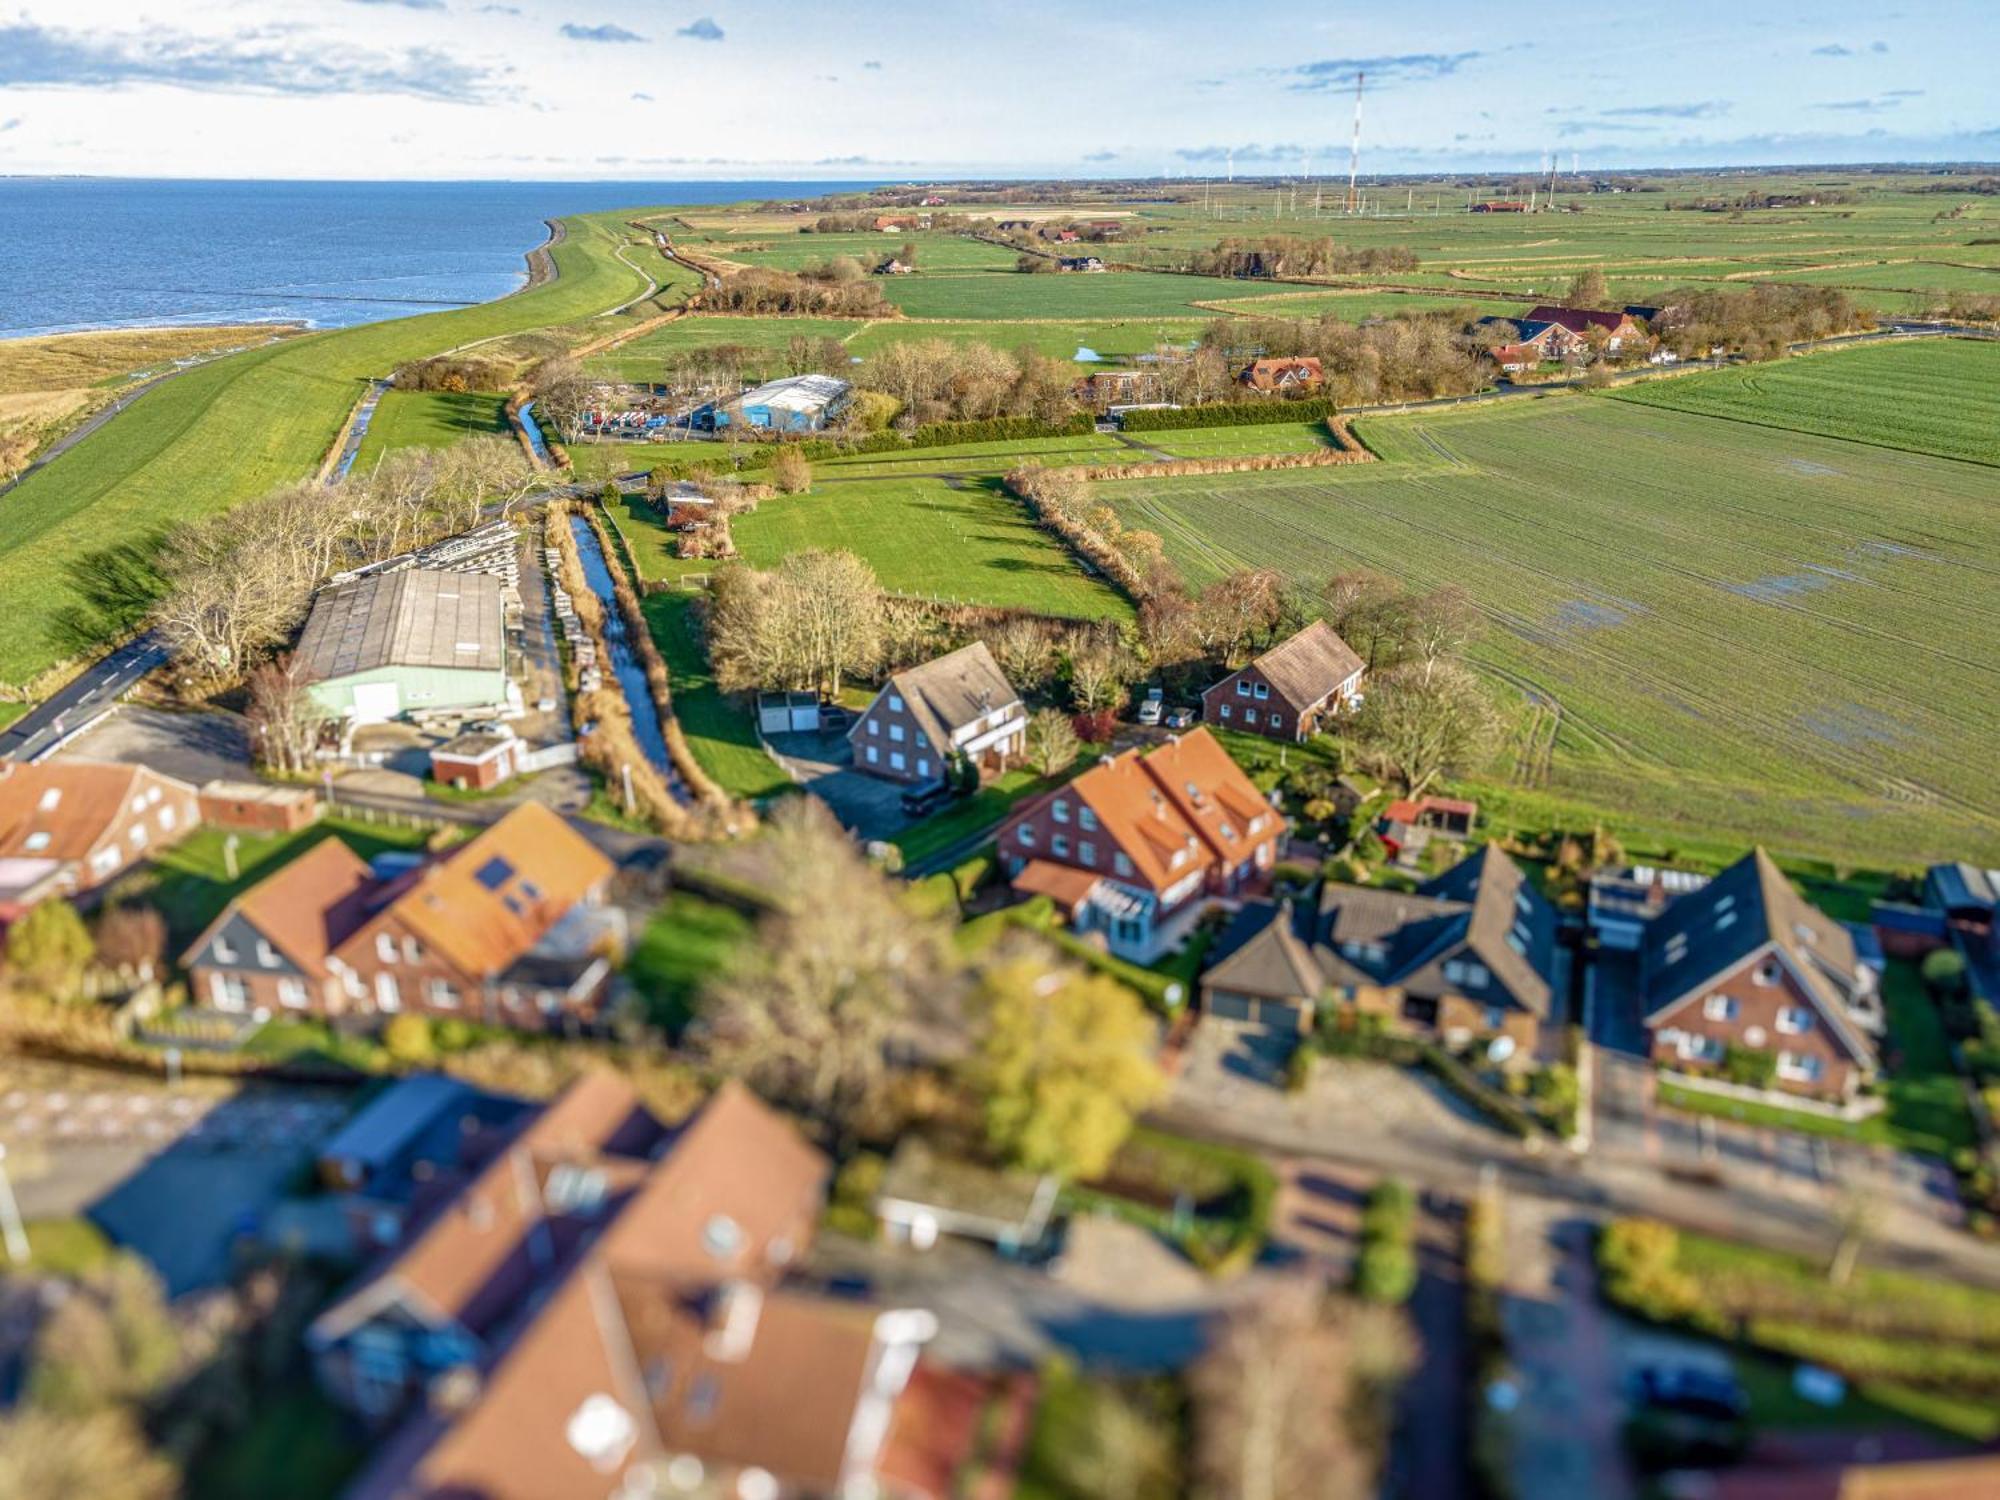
896, 761
222, 950
1263, 690
1767, 972
50, 798
495, 873
1086, 819
385, 947
721, 1236
923, 740
574, 1190
37, 841
1800, 1067
292, 992
267, 956
168, 817
1026, 835
1454, 971
875, 727
1249, 716
1495, 1018
138, 835
104, 861
1121, 864
1059, 846
1227, 712
896, 733
1179, 859
874, 756
1694, 1047
1794, 1020
1277, 721
923, 766
442, 994
1242, 687
1059, 810
227, 992
152, 796
1720, 1008
1086, 852
895, 703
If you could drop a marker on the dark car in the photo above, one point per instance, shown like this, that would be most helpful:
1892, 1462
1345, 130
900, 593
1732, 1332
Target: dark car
1179, 718
1695, 1393
922, 801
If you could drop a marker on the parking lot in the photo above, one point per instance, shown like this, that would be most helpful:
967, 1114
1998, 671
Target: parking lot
823, 763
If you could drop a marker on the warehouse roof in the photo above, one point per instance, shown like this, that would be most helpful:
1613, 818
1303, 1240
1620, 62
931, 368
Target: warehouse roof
416, 618
796, 393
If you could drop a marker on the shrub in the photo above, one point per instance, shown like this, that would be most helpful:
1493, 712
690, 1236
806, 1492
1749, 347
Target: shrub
1386, 1272
999, 430
1752, 1067
1639, 1262
50, 948
1944, 973
1095, 726
790, 472
1228, 414
408, 1039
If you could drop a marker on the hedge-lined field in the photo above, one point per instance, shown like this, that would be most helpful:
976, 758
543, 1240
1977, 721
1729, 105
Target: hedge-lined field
923, 536
1072, 294
1113, 338
1928, 395
1774, 635
429, 419
227, 431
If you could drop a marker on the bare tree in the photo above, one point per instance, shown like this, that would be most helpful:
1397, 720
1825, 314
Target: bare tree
285, 719
1423, 721
1052, 743
562, 392
809, 622
1234, 611
1442, 624
1099, 672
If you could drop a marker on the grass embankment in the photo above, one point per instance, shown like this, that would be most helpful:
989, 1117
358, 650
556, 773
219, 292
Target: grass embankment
69, 535
429, 419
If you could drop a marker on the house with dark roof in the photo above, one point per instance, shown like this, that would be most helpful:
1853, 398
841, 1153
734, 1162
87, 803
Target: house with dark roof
1745, 962
419, 641
607, 1309
1966, 898
510, 929
1469, 955
1141, 844
1618, 327
959, 707
1290, 691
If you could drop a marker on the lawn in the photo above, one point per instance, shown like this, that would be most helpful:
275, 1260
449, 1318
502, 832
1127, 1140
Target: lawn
961, 296
1928, 395
227, 431
935, 539
429, 419
190, 883
297, 1444
968, 816
1238, 442
645, 358
1114, 338
686, 940
1724, 629
719, 732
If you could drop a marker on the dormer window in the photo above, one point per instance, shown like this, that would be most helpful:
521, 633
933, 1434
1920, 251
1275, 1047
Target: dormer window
50, 798
37, 842
721, 1236
574, 1190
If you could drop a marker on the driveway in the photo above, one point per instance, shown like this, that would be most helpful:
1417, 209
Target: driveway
823, 763
197, 746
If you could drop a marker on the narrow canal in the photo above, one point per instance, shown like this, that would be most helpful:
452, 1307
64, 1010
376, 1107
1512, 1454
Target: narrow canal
624, 663
534, 431
359, 430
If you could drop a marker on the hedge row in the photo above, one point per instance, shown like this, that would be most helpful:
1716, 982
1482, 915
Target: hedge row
716, 458
1227, 414
1000, 430
1247, 463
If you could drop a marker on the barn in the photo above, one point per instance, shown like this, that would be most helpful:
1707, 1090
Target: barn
415, 642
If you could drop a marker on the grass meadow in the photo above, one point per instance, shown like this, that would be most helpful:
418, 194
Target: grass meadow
1707, 623
429, 419
974, 295
1927, 395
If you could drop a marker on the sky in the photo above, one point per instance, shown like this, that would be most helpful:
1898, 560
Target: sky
899, 89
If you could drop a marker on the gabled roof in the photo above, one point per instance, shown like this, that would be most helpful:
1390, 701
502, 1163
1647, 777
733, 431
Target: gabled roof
1309, 667
1137, 815
1266, 951
1746, 909
1510, 928
1577, 319
953, 691
307, 909
420, 617
1211, 793
489, 902
84, 800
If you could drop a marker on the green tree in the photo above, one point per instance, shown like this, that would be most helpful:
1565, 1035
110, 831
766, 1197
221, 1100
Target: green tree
408, 1039
50, 948
1063, 1066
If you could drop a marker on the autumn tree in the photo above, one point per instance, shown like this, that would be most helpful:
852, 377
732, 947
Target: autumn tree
1372, 613
110, 1342
790, 472
285, 719
102, 1456
1288, 1399
1063, 1065
838, 968
49, 949
1589, 289
1425, 720
807, 624
1168, 628
1052, 743
132, 940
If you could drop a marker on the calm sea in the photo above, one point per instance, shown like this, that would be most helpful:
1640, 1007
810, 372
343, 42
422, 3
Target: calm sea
112, 253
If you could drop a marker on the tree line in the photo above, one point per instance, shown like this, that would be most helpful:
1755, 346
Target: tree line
1281, 255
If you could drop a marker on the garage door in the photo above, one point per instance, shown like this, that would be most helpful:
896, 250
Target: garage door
1277, 1015
376, 701
1227, 1007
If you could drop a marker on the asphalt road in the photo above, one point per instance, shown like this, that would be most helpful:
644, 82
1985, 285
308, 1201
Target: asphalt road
101, 685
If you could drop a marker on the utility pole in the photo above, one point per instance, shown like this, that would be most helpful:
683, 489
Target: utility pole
12, 1230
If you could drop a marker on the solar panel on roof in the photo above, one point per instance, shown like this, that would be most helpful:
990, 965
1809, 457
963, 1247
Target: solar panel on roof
495, 873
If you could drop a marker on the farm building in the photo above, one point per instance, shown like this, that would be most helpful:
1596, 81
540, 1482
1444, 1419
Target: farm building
479, 759
258, 808
1578, 322
419, 641
797, 403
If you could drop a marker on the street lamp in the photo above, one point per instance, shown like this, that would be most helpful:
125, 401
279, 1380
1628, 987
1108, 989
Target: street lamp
12, 1230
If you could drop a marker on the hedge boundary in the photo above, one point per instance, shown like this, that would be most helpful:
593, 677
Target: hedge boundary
1226, 414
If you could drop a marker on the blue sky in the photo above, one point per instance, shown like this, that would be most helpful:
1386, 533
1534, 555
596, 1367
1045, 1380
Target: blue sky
896, 88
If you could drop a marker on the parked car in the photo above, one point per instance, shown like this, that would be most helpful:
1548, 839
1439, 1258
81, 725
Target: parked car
922, 801
1710, 1394
1155, 706
1180, 718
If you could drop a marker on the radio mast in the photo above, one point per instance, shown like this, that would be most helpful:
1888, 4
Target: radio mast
1354, 156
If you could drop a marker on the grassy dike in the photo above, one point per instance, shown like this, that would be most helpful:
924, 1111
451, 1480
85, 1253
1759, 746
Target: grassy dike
206, 440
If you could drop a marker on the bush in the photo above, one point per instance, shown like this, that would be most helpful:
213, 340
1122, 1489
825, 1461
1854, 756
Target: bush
1944, 973
790, 472
1228, 414
1386, 1272
1752, 1067
1095, 726
850, 1208
999, 430
1639, 1262
408, 1039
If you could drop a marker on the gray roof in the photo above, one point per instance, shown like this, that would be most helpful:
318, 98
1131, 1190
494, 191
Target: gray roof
955, 690
973, 1194
796, 392
395, 1117
1310, 666
1483, 909
1960, 885
1748, 907
416, 618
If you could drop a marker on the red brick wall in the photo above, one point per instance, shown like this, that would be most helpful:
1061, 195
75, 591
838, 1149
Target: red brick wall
1757, 1007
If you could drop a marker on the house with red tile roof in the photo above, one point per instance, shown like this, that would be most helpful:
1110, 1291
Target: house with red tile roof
510, 929
1278, 376
1290, 691
70, 827
607, 1310
1138, 846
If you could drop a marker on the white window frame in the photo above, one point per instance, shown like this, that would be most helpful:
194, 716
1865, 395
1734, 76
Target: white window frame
1794, 1020
1720, 1007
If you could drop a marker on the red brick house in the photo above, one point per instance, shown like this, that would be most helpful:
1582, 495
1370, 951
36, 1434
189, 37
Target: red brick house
258, 807
478, 760
1579, 321
1746, 962
960, 706
1291, 690
1275, 377
608, 1309
508, 929
1137, 847
69, 827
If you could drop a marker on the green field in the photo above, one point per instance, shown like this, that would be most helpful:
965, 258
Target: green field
933, 538
645, 358
1710, 625
429, 419
227, 431
1116, 339
1016, 294
1927, 395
